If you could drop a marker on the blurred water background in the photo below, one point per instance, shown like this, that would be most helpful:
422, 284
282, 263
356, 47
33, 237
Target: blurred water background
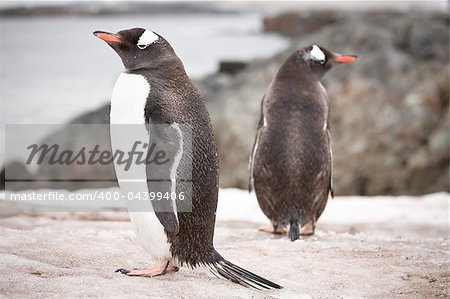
53, 68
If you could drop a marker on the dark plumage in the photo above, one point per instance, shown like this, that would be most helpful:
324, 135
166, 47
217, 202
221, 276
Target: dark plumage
291, 163
174, 99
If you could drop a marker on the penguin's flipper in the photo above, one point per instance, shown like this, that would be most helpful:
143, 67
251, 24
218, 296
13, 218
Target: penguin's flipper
261, 124
165, 209
161, 177
169, 220
331, 184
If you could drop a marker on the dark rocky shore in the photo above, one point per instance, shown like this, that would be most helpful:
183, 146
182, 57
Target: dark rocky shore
390, 110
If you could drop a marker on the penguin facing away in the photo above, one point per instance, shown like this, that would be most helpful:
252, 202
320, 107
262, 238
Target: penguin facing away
291, 161
155, 89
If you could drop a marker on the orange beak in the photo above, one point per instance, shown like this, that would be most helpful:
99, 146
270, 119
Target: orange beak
107, 37
345, 58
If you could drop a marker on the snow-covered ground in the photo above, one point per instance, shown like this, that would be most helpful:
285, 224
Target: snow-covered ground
372, 247
238, 205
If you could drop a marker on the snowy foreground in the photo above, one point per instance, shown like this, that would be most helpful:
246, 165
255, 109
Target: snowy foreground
371, 247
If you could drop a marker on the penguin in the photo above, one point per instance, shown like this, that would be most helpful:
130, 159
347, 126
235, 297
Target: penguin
291, 162
155, 92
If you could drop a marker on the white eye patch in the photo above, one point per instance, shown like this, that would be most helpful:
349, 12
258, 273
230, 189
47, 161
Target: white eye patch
147, 38
317, 54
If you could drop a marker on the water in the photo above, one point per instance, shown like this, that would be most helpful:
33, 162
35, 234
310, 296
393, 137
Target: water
53, 69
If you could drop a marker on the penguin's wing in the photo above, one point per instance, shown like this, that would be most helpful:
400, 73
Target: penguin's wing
331, 184
255, 147
330, 145
161, 176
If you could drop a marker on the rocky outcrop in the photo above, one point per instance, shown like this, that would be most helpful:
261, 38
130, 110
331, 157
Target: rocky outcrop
73, 176
294, 24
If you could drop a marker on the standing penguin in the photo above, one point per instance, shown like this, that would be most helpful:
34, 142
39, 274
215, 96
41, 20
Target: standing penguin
155, 89
291, 162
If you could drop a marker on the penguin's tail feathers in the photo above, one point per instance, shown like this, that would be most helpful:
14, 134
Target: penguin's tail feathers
293, 232
223, 268
292, 225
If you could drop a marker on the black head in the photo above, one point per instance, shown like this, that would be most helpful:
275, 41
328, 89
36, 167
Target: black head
138, 48
316, 60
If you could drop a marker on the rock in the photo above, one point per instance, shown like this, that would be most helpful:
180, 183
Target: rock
414, 37
75, 176
15, 169
231, 67
294, 23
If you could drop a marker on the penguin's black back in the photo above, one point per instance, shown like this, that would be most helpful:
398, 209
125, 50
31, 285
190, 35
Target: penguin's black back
175, 99
292, 162
178, 101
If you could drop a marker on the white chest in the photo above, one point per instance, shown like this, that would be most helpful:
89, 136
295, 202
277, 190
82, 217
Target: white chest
128, 99
127, 108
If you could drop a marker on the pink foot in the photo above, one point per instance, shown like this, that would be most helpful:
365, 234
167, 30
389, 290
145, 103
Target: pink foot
307, 229
162, 267
280, 230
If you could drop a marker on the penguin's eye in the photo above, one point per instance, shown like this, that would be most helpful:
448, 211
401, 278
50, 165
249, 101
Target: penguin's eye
146, 39
141, 46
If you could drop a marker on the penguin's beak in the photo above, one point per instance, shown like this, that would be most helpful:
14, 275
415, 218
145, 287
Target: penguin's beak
345, 58
107, 37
